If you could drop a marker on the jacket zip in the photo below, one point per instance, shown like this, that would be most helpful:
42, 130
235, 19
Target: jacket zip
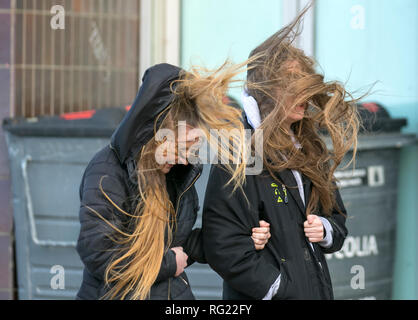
286, 199
114, 150
335, 225
184, 280
169, 284
177, 207
178, 201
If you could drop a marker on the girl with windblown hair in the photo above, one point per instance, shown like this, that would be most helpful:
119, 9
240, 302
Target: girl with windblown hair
296, 193
137, 213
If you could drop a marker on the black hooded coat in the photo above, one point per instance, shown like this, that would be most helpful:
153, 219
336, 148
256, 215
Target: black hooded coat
115, 165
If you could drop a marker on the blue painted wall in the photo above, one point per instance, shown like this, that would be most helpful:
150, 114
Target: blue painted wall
215, 30
384, 47
359, 42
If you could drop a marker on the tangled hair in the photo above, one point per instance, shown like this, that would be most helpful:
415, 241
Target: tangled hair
198, 100
283, 77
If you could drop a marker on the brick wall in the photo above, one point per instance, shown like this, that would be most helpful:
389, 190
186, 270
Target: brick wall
6, 222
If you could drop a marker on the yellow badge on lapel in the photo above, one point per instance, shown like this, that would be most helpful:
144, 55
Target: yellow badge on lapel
277, 192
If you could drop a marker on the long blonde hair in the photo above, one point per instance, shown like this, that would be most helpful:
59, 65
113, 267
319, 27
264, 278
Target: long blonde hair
283, 73
198, 100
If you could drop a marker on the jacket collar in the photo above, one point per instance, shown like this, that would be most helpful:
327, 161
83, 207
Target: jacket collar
307, 185
288, 179
184, 176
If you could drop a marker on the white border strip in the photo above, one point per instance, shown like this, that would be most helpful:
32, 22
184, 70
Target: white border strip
159, 34
306, 40
145, 34
172, 32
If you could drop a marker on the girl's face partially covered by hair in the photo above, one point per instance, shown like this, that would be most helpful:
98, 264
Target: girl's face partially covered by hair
293, 112
188, 140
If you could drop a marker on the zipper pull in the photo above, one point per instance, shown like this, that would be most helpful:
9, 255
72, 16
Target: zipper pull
183, 280
169, 289
286, 200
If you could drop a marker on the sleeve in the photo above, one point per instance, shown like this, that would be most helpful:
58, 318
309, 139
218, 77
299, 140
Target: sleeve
168, 266
337, 223
96, 244
226, 226
327, 241
194, 247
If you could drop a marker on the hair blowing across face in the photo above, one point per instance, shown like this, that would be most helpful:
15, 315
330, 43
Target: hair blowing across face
198, 100
282, 77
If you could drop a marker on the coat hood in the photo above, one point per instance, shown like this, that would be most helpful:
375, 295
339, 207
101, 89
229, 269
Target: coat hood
137, 127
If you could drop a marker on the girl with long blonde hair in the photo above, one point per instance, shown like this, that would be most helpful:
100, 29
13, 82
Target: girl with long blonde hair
137, 212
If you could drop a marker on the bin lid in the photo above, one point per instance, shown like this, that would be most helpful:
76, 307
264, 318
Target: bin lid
376, 119
103, 122
89, 123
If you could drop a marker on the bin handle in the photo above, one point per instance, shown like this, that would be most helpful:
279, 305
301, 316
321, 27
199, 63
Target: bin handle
32, 225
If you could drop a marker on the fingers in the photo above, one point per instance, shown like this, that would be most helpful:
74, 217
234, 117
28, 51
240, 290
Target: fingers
314, 235
185, 257
311, 218
315, 239
181, 260
259, 244
261, 235
312, 221
259, 241
263, 229
313, 228
313, 231
264, 223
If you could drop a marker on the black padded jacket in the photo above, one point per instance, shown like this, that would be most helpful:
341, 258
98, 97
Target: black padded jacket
114, 169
